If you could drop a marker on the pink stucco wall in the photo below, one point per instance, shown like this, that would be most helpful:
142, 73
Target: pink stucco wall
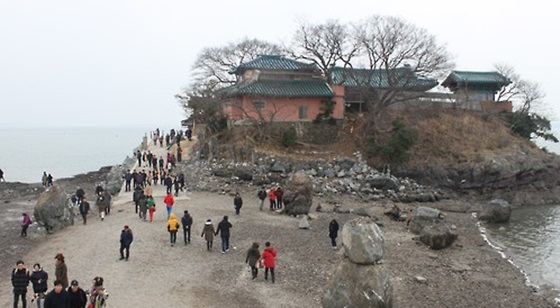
281, 109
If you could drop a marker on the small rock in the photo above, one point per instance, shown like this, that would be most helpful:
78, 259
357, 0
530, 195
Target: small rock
421, 279
304, 224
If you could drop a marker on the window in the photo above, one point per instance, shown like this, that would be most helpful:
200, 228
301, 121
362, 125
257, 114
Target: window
258, 105
302, 112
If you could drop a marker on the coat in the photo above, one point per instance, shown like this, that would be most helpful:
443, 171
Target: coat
333, 229
223, 228
78, 299
149, 190
169, 200
143, 203
186, 220
20, 280
272, 195
39, 280
57, 300
126, 237
173, 224
61, 273
253, 256
268, 256
208, 232
237, 202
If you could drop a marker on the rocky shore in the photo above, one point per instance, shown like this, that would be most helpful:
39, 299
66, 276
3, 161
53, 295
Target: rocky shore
469, 273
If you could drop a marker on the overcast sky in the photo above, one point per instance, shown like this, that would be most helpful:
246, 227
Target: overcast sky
108, 63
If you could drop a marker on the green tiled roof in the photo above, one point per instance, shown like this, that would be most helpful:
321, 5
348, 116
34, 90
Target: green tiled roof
270, 62
486, 78
281, 88
403, 77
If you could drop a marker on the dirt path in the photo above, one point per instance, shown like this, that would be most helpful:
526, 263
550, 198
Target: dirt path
156, 273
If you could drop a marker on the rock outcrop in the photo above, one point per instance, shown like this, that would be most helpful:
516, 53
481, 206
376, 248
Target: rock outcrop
497, 211
53, 210
363, 283
298, 195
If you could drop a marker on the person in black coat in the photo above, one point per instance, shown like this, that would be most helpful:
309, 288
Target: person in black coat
58, 297
126, 240
78, 297
39, 280
187, 221
237, 203
223, 229
333, 232
84, 210
20, 281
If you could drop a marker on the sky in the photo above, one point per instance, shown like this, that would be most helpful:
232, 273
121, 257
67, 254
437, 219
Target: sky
120, 62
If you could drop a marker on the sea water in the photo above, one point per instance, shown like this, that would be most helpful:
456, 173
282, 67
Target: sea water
64, 151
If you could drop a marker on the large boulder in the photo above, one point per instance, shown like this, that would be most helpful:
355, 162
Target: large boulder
363, 241
497, 210
298, 194
54, 210
115, 180
383, 182
438, 236
422, 217
354, 285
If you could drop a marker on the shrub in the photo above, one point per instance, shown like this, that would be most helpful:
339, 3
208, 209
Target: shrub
395, 150
289, 137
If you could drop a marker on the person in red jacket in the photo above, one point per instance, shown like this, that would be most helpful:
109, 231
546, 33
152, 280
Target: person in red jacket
272, 198
268, 256
169, 201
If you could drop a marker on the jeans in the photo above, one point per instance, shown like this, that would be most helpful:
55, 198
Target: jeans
225, 243
262, 205
23, 299
123, 247
266, 269
40, 299
187, 234
173, 236
169, 208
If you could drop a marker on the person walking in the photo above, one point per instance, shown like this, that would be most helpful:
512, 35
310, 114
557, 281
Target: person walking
39, 280
333, 232
20, 281
84, 210
143, 203
151, 204
169, 201
253, 256
58, 297
61, 271
268, 255
126, 240
127, 179
187, 221
44, 179
223, 230
176, 186
272, 198
168, 183
149, 190
25, 223
262, 196
237, 203
172, 227
77, 296
208, 234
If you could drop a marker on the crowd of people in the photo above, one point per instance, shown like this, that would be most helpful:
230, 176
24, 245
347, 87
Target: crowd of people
62, 295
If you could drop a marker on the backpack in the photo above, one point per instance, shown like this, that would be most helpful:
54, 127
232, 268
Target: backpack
261, 195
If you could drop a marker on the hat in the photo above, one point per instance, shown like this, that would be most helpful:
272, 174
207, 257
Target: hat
208, 222
74, 282
126, 226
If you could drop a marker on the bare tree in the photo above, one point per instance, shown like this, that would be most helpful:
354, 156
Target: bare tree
325, 44
395, 53
213, 64
527, 96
